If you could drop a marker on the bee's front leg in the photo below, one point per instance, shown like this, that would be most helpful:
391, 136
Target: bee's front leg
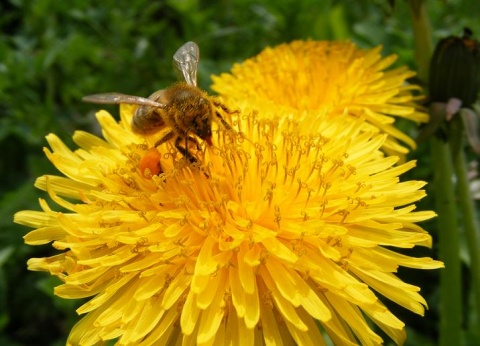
225, 109
165, 138
184, 150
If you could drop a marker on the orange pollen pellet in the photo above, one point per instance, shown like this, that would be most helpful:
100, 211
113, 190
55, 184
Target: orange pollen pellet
150, 164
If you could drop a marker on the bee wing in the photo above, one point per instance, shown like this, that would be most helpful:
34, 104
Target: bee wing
117, 98
186, 60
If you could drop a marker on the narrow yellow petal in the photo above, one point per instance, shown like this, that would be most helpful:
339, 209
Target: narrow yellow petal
270, 325
352, 315
245, 272
284, 281
162, 333
238, 294
288, 312
252, 308
206, 297
177, 287
190, 314
212, 316
104, 296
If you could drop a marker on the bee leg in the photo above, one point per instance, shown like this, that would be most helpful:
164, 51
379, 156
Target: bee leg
226, 110
166, 137
194, 141
184, 151
224, 123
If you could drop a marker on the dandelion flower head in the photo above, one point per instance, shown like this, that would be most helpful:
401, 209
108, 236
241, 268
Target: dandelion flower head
329, 77
279, 235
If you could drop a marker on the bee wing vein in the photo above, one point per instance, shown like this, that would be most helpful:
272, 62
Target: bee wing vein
186, 60
118, 98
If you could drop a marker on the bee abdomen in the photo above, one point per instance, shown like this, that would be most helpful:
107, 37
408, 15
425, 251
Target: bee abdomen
146, 121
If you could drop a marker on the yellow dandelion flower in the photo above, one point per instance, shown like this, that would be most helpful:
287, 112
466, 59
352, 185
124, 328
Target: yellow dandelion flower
328, 77
282, 235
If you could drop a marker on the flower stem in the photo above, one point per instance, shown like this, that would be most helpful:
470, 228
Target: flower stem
450, 277
423, 41
469, 214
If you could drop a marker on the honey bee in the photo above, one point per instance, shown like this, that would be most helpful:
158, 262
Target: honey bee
183, 112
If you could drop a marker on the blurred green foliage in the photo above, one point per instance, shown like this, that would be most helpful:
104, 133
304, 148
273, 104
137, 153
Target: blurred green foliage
54, 52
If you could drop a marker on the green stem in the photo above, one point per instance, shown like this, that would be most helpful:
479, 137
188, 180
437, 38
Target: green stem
449, 245
449, 238
423, 40
470, 219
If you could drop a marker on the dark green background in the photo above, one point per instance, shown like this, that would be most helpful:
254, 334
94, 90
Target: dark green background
54, 52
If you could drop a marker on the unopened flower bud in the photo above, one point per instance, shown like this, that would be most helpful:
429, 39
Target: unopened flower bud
455, 69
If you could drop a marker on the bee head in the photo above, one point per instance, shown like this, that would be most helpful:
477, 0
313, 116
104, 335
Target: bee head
203, 129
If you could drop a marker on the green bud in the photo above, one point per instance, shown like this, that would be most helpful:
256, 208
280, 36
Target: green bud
455, 70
